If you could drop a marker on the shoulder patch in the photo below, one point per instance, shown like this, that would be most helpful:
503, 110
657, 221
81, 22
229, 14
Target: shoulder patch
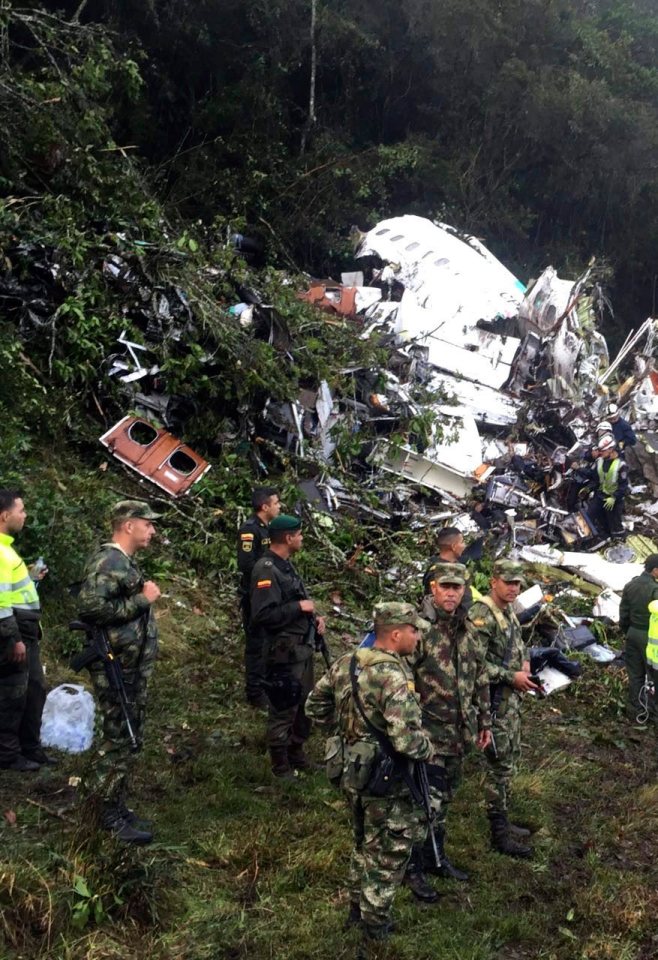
246, 536
262, 584
246, 546
479, 622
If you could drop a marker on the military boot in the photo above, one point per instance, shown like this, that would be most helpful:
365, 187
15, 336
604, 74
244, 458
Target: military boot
280, 764
121, 828
416, 880
447, 870
298, 759
517, 831
378, 933
502, 840
354, 915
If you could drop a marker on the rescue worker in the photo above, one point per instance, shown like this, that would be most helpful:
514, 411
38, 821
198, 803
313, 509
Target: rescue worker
652, 658
610, 479
253, 540
115, 597
622, 431
451, 545
22, 683
374, 688
634, 619
283, 610
498, 632
453, 684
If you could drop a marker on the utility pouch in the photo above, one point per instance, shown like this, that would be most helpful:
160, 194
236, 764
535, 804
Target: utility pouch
360, 758
384, 776
333, 759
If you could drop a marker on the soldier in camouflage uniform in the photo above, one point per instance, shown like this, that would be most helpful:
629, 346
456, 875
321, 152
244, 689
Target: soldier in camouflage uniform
453, 685
115, 597
384, 828
499, 634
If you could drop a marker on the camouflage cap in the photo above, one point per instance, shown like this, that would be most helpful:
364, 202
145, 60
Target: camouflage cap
286, 522
448, 573
395, 613
134, 510
508, 570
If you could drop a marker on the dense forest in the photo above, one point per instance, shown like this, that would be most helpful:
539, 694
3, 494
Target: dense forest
531, 124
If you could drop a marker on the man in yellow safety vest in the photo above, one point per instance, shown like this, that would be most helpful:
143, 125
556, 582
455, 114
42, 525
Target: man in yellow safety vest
652, 660
22, 684
610, 481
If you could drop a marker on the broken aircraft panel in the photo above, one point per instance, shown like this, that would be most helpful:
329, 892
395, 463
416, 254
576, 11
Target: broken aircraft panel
155, 454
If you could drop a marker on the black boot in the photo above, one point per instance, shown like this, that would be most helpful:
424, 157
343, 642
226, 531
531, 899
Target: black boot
502, 841
354, 916
518, 832
447, 870
416, 880
280, 764
118, 825
299, 761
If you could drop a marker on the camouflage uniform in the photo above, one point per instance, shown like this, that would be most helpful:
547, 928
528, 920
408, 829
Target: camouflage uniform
110, 597
453, 685
499, 634
384, 828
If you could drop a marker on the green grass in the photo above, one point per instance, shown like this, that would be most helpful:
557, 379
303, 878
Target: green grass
247, 867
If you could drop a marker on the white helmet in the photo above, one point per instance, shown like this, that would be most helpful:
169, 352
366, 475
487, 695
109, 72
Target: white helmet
606, 442
604, 427
613, 410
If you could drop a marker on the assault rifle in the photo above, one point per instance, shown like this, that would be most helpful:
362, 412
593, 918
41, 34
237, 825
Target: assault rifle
317, 641
98, 649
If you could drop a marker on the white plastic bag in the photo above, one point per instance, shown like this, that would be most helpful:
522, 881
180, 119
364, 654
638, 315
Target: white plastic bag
68, 718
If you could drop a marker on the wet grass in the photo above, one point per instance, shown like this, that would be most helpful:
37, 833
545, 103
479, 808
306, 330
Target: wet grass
246, 867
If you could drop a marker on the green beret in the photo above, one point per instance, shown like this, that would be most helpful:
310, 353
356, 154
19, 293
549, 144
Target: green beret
133, 510
395, 614
285, 522
508, 570
448, 573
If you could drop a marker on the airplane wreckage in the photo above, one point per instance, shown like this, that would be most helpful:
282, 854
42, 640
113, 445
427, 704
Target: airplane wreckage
513, 382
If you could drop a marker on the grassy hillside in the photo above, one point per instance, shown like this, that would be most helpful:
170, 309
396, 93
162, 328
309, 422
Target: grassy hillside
244, 866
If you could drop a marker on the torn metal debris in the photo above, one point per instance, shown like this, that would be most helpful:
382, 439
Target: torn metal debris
155, 454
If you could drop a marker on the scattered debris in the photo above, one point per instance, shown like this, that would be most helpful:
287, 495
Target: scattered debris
155, 454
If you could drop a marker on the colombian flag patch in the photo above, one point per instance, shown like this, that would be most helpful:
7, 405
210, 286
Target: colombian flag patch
263, 583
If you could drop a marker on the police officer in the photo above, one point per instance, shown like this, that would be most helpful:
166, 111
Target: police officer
498, 631
282, 609
453, 685
634, 616
22, 683
115, 597
610, 480
253, 540
385, 828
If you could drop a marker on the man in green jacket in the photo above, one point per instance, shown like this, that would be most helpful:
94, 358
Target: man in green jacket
634, 622
453, 684
499, 633
116, 597
385, 828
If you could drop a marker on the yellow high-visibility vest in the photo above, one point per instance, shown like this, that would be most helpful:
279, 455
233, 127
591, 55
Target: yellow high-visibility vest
608, 481
17, 589
652, 641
